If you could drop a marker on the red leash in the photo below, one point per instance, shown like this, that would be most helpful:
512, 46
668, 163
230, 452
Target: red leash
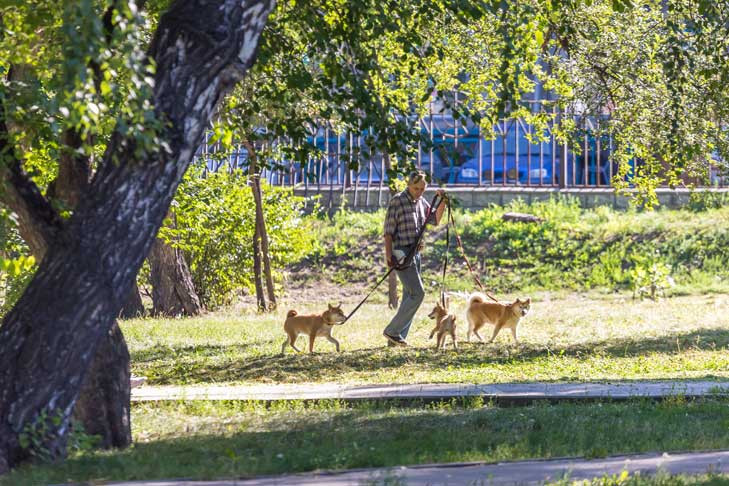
463, 254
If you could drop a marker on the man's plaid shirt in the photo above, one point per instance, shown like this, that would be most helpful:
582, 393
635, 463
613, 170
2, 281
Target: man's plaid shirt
405, 217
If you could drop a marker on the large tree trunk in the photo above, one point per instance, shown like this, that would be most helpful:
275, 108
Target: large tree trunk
104, 402
173, 292
48, 340
133, 307
113, 362
39, 224
103, 406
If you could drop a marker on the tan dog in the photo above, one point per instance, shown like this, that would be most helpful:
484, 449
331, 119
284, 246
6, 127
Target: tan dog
480, 312
444, 323
312, 325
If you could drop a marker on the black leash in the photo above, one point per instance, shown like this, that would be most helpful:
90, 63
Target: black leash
407, 261
445, 259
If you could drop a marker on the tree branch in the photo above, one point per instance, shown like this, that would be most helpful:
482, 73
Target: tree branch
40, 223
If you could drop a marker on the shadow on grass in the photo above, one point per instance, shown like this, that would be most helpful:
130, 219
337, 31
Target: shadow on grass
163, 352
306, 440
220, 363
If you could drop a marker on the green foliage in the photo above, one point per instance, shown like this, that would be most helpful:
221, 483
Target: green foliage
35, 435
75, 69
17, 266
601, 248
571, 248
79, 441
38, 432
704, 200
348, 242
369, 66
649, 276
14, 267
655, 69
212, 221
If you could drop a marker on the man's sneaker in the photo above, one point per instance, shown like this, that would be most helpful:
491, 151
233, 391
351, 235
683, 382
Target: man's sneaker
395, 340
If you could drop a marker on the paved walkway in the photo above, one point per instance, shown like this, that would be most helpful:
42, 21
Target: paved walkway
522, 392
477, 474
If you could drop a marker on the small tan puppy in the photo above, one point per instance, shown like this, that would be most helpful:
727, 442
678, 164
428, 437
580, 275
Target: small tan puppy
445, 323
312, 325
480, 312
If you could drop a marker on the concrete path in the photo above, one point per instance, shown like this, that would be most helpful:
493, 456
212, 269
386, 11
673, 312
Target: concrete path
521, 392
477, 474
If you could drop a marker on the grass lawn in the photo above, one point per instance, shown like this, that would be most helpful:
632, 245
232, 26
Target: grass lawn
237, 439
573, 337
660, 479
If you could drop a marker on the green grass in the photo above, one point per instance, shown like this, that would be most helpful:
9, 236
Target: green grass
660, 479
568, 337
572, 248
233, 439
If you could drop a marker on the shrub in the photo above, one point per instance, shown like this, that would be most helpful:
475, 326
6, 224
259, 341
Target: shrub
17, 266
212, 221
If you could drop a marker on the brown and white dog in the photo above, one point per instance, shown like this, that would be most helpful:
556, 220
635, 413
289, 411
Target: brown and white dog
445, 323
312, 325
500, 315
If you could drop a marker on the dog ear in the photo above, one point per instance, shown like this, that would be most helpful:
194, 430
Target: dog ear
330, 306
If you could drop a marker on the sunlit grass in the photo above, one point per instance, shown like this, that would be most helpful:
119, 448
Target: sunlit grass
565, 337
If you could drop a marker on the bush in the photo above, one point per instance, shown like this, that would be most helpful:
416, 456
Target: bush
212, 221
17, 266
704, 200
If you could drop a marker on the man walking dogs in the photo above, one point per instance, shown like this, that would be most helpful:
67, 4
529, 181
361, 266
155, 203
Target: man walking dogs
406, 215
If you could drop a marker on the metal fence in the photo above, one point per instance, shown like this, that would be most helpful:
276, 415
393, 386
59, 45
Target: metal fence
459, 154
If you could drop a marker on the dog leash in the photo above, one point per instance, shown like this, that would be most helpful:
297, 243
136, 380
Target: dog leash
445, 259
459, 243
408, 258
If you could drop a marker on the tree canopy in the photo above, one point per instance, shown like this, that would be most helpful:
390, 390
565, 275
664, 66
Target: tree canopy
103, 104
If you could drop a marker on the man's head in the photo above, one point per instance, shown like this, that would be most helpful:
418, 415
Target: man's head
417, 184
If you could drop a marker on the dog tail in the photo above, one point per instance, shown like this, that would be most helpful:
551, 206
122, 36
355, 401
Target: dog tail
291, 313
476, 297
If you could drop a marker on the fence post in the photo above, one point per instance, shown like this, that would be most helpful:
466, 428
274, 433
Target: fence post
562, 157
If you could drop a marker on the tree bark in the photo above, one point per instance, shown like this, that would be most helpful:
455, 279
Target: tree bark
261, 223
260, 237
104, 403
257, 273
39, 225
133, 307
47, 341
173, 292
